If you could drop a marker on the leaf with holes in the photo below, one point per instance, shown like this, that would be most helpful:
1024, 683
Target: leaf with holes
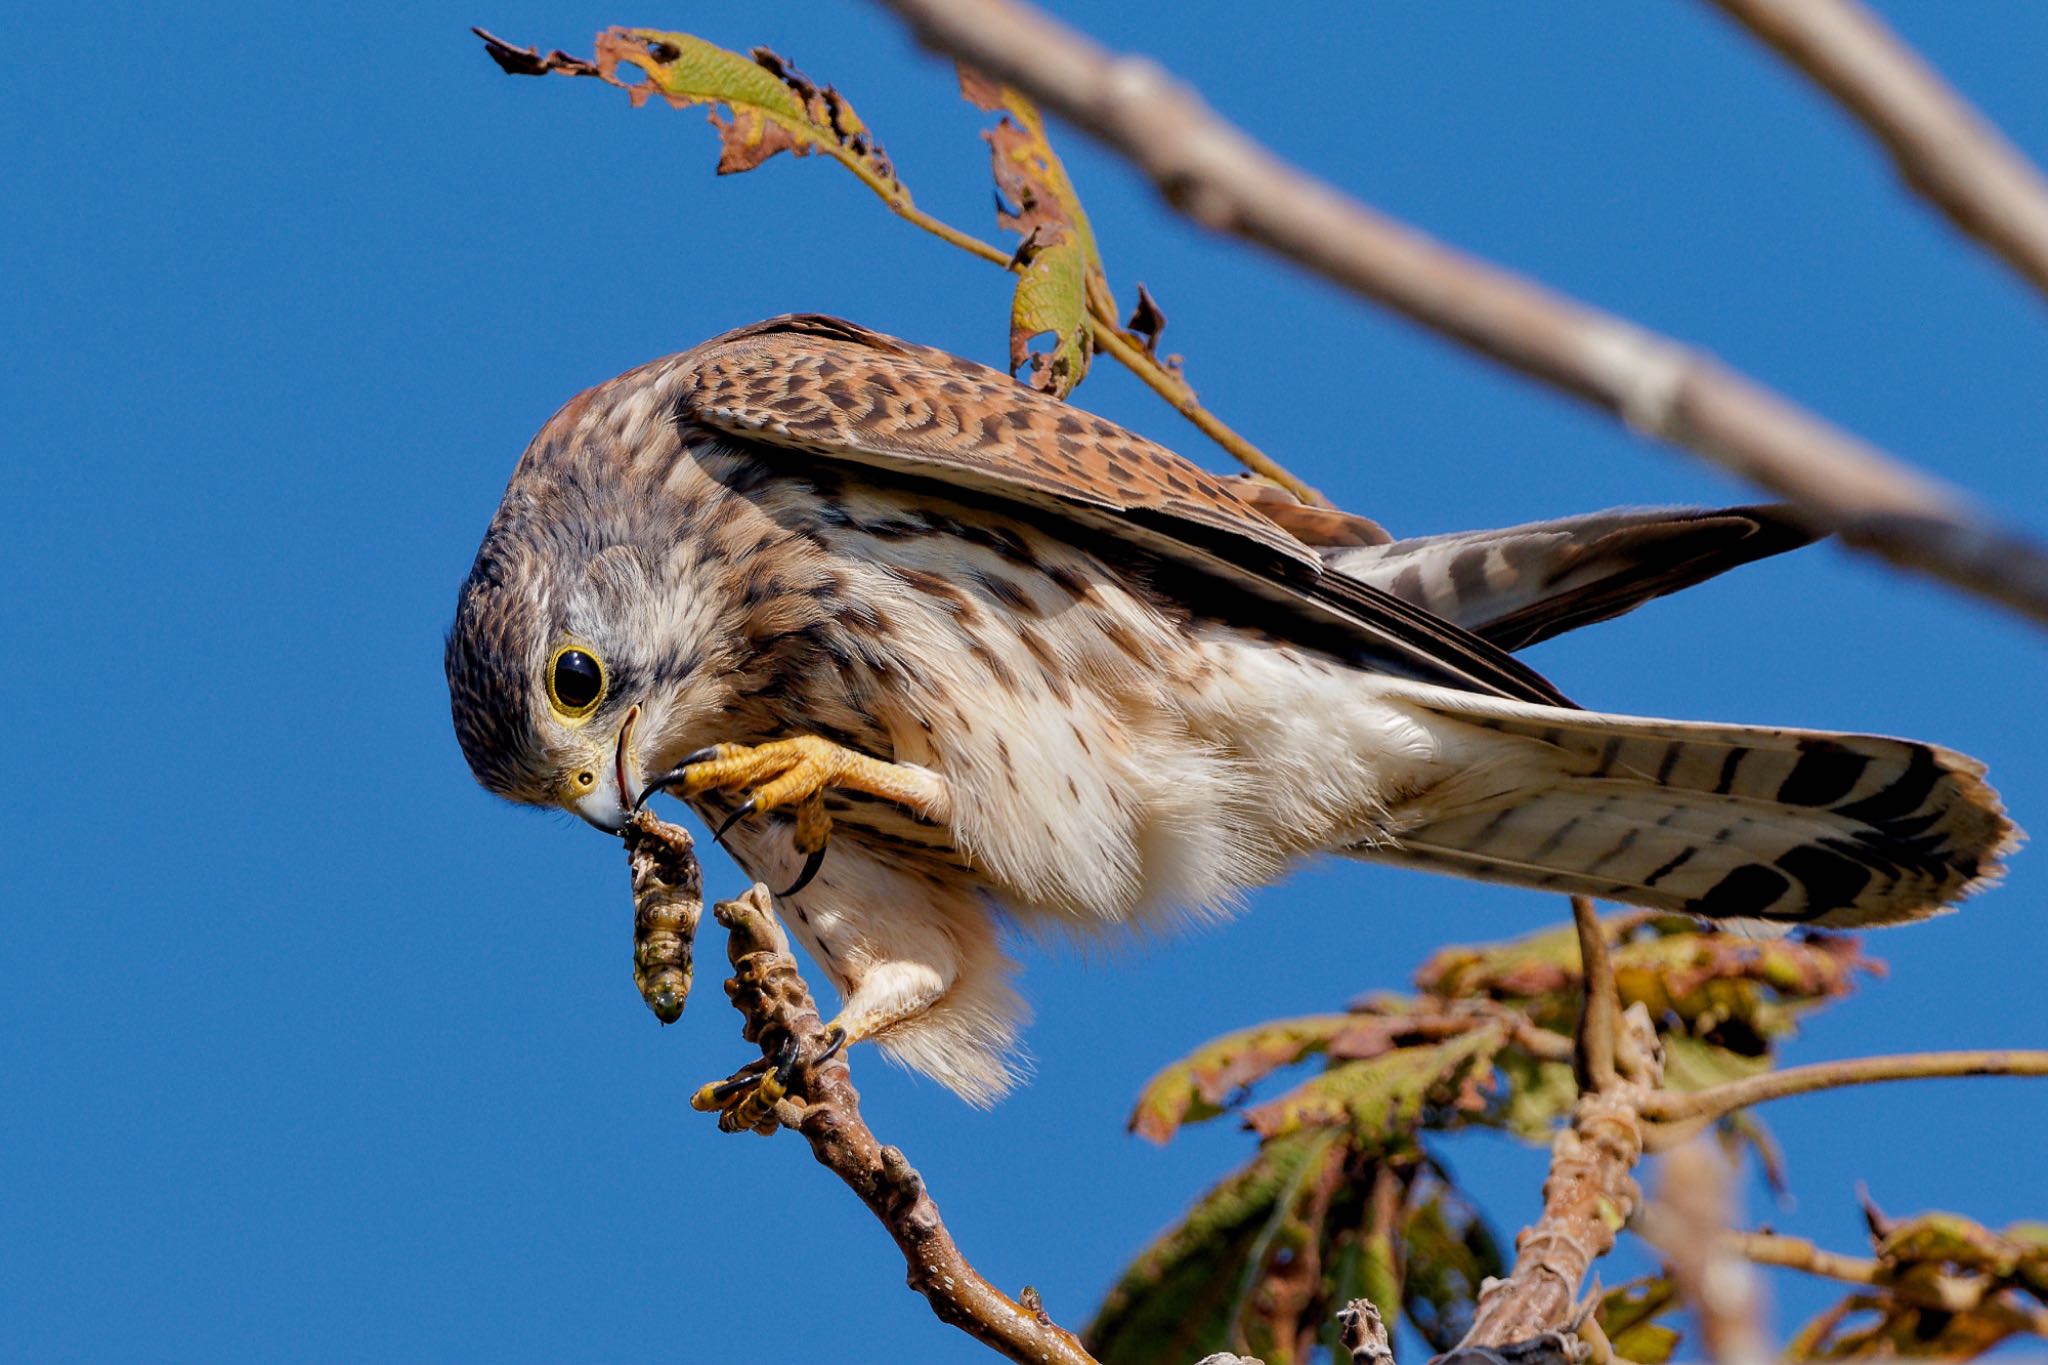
1740, 993
1061, 267
770, 105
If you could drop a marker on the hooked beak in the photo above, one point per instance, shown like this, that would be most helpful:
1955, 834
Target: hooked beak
606, 793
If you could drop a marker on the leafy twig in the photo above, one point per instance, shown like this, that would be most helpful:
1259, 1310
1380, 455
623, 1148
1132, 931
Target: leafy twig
1667, 1106
1945, 1293
1219, 177
1944, 149
766, 93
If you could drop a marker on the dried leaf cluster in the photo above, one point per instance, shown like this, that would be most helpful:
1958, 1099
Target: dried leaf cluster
1349, 1195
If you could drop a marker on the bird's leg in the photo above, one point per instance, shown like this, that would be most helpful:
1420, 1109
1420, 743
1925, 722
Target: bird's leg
888, 994
798, 772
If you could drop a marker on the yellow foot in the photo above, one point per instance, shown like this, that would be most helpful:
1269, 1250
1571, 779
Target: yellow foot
746, 1102
798, 772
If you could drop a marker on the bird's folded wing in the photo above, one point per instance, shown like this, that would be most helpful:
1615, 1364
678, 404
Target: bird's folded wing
842, 393
1523, 584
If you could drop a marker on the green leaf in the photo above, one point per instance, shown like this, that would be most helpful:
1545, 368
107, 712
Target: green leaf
1052, 299
1629, 1313
1207, 1081
1061, 264
1690, 1064
1450, 1253
1186, 1295
770, 105
1383, 1098
1537, 1094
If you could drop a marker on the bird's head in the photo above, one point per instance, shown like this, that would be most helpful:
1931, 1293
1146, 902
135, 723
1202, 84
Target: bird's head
566, 662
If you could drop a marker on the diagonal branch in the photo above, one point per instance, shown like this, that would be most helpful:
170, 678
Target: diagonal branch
1216, 175
1669, 1106
1944, 149
825, 1109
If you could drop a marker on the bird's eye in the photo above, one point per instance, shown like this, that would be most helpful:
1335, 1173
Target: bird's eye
575, 682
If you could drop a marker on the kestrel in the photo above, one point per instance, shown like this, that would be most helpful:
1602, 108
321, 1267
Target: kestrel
938, 650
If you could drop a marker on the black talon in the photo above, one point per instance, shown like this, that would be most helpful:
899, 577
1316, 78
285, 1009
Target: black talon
662, 783
746, 809
833, 1048
726, 1089
803, 878
675, 775
786, 1058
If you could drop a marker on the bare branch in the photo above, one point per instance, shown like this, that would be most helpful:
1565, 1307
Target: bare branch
824, 1107
1600, 1017
1668, 1106
1946, 1293
1221, 178
1944, 149
1797, 1253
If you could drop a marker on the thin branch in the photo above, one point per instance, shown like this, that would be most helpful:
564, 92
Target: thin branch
1944, 149
1600, 1016
1109, 335
1216, 175
1945, 1293
1668, 1106
1797, 1253
824, 1108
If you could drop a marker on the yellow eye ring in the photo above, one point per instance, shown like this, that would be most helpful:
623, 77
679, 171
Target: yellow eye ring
575, 682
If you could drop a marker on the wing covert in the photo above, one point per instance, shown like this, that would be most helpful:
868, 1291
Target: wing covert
842, 393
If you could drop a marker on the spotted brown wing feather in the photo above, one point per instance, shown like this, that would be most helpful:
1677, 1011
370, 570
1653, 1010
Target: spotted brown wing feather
833, 389
1324, 528
840, 392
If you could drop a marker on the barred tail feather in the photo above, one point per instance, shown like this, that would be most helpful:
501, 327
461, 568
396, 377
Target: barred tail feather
1727, 822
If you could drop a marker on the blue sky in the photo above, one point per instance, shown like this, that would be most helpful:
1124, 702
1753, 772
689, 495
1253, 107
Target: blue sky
315, 1052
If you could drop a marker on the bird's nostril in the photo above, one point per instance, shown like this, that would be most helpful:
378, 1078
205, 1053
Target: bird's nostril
585, 779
